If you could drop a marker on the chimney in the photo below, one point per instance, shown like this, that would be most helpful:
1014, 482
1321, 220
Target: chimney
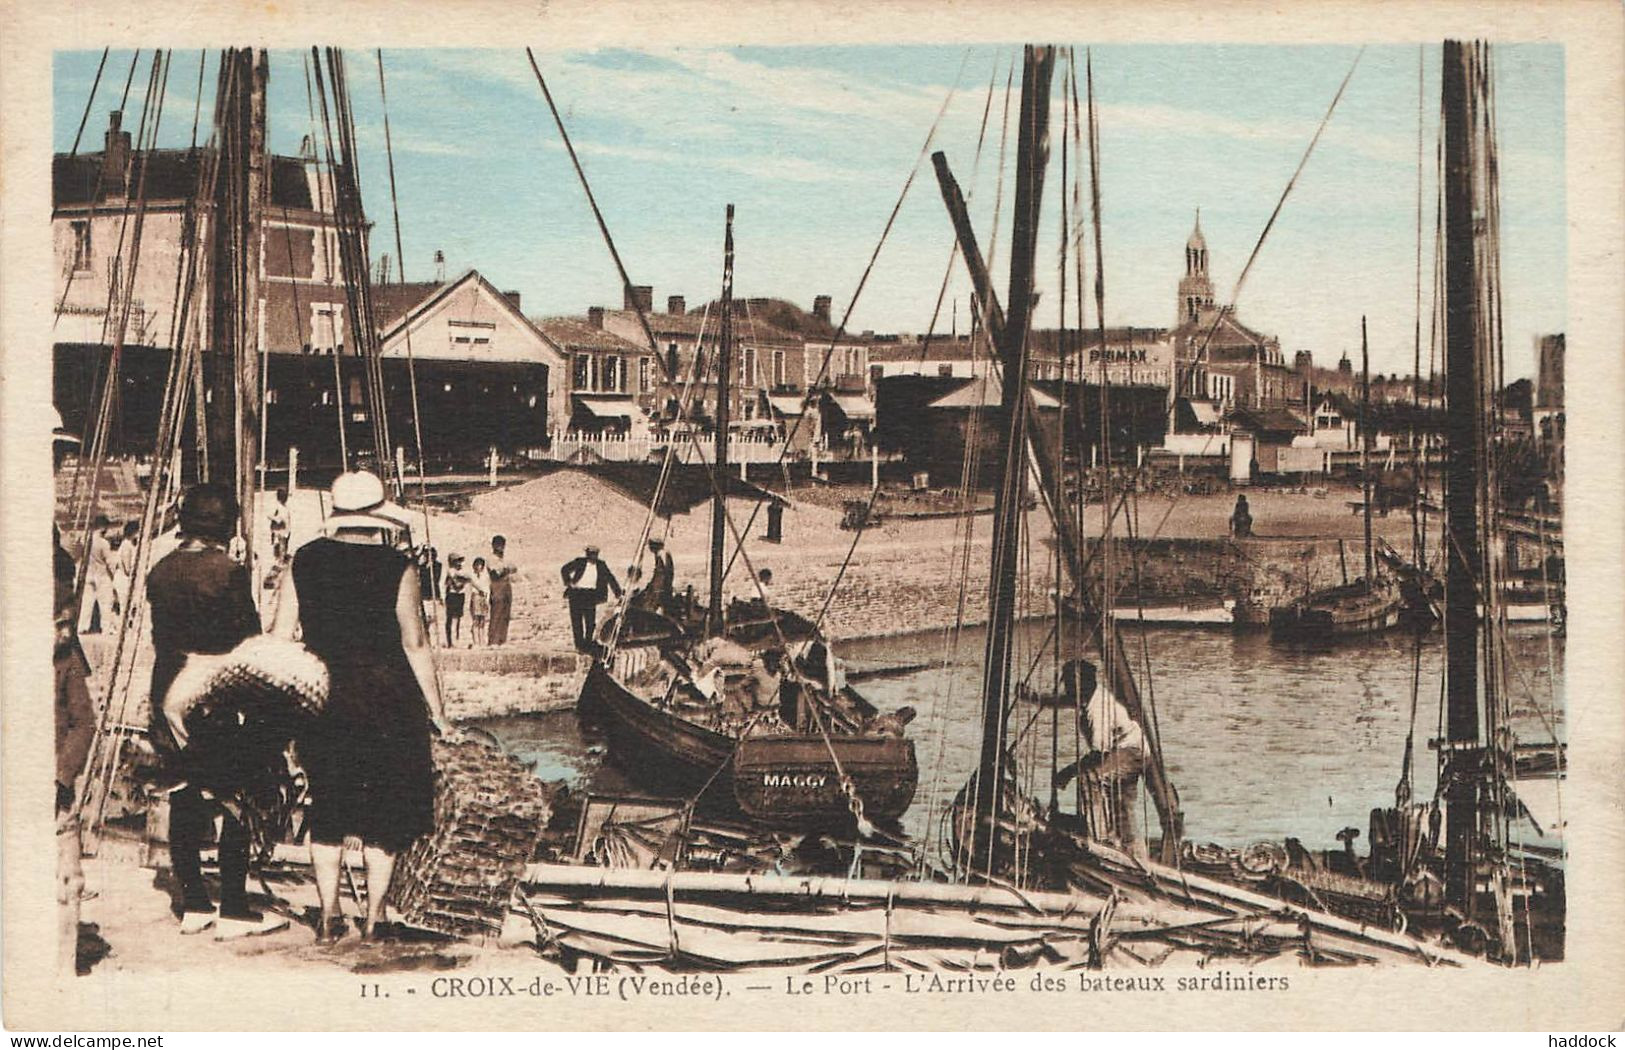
640, 296
115, 157
595, 316
675, 304
821, 305
512, 297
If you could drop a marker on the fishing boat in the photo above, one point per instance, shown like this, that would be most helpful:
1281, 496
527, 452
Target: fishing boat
1462, 868
746, 707
1373, 603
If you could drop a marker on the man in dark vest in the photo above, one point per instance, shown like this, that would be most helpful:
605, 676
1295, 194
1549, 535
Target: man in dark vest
201, 601
656, 594
587, 583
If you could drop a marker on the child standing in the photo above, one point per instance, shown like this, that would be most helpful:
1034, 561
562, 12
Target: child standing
456, 597
479, 603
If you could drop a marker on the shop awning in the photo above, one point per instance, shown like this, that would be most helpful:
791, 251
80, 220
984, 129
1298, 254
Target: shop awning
988, 392
1206, 413
787, 404
609, 407
854, 406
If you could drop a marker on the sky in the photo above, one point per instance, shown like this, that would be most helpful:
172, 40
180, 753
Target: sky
814, 145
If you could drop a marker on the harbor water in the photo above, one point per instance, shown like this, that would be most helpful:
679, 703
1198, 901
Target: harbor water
1263, 741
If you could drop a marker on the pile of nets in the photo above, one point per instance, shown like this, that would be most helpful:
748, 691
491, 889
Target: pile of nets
490, 813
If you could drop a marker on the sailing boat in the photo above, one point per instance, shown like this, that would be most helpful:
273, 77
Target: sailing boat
744, 713
1479, 887
1370, 604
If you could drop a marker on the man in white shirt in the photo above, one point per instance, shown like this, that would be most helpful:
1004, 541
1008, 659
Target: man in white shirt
587, 583
1115, 758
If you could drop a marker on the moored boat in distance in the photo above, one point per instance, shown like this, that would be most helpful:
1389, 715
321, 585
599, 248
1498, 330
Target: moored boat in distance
1348, 611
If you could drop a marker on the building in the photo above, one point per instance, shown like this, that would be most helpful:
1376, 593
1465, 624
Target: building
484, 375
610, 380
939, 423
1219, 359
94, 193
790, 367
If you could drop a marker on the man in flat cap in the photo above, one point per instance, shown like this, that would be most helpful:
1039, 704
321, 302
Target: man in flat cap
587, 583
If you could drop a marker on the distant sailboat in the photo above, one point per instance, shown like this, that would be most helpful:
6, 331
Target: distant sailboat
1368, 605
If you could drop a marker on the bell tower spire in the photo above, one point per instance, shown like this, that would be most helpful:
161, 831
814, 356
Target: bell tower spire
1195, 287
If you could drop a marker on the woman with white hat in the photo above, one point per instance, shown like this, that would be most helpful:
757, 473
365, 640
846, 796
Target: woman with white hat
359, 605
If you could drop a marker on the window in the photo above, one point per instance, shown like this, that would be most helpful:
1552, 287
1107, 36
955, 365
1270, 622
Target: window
643, 375
81, 244
290, 251
583, 368
327, 326
609, 381
620, 372
748, 367
778, 368
699, 364
671, 363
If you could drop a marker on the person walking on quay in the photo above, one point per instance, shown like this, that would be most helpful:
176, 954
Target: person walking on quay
124, 562
200, 601
501, 573
479, 604
97, 603
1115, 757
587, 583
281, 522
358, 604
456, 598
75, 730
1241, 519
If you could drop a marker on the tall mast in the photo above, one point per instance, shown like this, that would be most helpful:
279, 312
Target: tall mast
719, 505
232, 416
1459, 80
1046, 460
1032, 153
1365, 447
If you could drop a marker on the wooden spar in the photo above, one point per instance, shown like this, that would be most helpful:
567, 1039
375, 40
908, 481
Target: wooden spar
1184, 897
1458, 81
719, 473
231, 419
1365, 447
256, 187
1068, 530
1031, 157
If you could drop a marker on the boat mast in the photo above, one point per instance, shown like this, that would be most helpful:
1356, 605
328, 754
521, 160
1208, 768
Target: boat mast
233, 425
1459, 77
719, 474
1365, 448
1068, 530
1032, 153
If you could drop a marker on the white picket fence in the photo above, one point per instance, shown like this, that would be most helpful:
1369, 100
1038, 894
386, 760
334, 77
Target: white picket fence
628, 448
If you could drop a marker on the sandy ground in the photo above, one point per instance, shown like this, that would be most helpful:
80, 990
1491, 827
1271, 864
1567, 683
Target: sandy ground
129, 926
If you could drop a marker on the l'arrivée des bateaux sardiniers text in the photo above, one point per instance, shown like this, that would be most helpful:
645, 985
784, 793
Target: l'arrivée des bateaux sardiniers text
714, 986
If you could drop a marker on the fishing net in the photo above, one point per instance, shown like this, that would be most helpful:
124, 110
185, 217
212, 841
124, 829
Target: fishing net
489, 815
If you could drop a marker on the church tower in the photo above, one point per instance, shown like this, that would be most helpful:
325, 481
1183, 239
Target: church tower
1195, 289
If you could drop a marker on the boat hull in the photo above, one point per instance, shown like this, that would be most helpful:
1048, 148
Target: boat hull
789, 780
1342, 613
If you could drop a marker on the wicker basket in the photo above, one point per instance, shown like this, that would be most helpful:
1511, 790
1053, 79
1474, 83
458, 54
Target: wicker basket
490, 813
